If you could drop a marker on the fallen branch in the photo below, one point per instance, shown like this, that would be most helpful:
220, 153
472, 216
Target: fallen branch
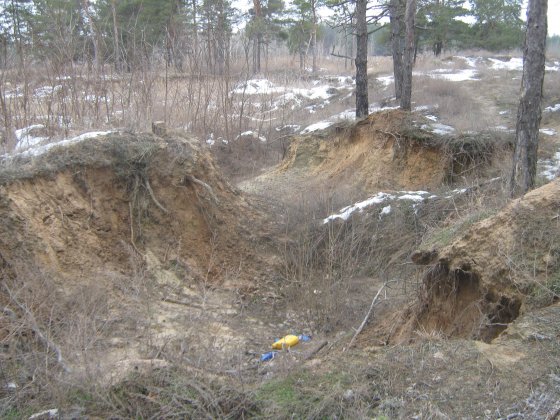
195, 180
364, 322
317, 350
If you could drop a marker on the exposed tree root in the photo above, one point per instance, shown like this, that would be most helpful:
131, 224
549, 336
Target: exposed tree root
152, 195
208, 188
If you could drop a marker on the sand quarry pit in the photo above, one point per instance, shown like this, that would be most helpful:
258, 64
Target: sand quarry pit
131, 253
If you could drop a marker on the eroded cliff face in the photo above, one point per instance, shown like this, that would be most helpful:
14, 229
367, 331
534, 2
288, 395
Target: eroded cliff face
500, 268
112, 246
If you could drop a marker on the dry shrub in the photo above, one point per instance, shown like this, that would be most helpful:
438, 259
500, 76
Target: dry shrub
455, 104
333, 270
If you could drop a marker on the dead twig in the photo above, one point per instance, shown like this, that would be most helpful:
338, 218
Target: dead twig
317, 350
32, 324
364, 322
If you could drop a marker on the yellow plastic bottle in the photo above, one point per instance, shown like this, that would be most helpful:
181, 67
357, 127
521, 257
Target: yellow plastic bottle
286, 342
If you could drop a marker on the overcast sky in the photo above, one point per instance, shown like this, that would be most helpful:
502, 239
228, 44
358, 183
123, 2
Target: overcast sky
553, 17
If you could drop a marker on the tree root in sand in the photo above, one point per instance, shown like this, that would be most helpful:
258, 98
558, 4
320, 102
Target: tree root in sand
208, 188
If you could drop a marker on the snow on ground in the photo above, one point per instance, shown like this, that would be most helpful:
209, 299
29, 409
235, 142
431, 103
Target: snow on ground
46, 91
547, 131
40, 150
415, 196
458, 76
13, 94
346, 212
289, 127
438, 128
321, 125
471, 61
554, 67
386, 80
258, 87
250, 133
25, 137
550, 168
445, 74
552, 108
383, 197
349, 115
515, 63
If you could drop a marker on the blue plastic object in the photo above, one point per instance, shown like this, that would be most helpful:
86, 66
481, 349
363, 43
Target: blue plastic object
303, 337
268, 356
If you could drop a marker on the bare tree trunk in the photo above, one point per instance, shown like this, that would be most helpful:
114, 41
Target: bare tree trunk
94, 36
397, 43
259, 41
314, 35
362, 103
408, 56
116, 36
195, 31
529, 110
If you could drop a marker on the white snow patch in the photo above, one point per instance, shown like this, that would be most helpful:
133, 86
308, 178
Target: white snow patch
503, 112
460, 76
471, 61
250, 133
346, 212
550, 168
514, 63
45, 91
50, 414
321, 125
40, 150
386, 80
17, 93
431, 117
258, 87
385, 211
415, 196
291, 127
25, 139
210, 140
552, 108
411, 197
547, 131
438, 128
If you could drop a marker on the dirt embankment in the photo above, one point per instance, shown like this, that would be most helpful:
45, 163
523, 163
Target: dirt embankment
125, 251
389, 150
499, 269
82, 211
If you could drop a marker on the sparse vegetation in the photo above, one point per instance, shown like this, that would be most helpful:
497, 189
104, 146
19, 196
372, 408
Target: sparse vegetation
144, 275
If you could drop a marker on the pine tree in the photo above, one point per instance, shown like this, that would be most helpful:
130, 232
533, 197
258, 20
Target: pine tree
529, 111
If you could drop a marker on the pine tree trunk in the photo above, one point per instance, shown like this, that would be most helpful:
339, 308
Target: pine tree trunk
94, 36
314, 35
408, 56
529, 110
116, 36
397, 43
362, 103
